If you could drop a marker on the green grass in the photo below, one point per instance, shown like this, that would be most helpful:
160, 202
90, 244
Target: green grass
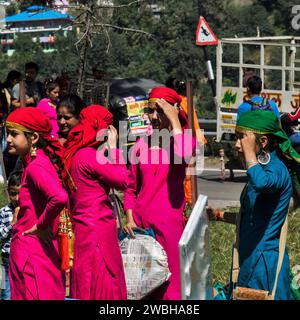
222, 236
3, 196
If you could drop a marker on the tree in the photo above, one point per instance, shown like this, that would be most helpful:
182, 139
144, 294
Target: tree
65, 48
126, 39
11, 9
92, 18
25, 49
5, 66
280, 12
23, 4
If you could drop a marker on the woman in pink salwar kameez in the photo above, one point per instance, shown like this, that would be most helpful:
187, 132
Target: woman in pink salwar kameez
34, 261
154, 197
97, 272
48, 106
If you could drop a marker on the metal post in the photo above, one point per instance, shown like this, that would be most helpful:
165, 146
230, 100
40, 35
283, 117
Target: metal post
283, 74
262, 63
292, 65
189, 91
107, 93
219, 89
211, 78
22, 94
219, 83
222, 154
241, 73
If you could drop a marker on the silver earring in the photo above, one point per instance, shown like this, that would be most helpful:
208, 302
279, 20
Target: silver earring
264, 158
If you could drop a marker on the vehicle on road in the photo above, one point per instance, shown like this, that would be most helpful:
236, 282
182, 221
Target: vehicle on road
275, 59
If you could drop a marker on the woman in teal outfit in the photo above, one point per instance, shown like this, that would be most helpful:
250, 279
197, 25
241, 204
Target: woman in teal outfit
264, 149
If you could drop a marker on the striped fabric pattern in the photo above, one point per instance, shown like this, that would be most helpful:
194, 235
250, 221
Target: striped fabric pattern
6, 216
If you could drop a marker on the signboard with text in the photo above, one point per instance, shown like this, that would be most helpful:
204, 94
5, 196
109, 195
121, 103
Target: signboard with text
232, 97
137, 118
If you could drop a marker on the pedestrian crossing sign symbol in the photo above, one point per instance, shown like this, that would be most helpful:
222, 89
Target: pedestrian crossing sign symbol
204, 34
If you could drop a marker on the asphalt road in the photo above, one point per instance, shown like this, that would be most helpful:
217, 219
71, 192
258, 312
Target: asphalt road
221, 193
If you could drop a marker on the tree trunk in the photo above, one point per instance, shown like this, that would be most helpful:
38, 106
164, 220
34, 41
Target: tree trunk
83, 60
22, 94
83, 53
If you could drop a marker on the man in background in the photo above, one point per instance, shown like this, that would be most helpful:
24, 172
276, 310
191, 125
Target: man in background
248, 73
255, 100
34, 90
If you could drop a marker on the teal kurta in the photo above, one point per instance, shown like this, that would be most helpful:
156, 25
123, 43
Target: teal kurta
264, 206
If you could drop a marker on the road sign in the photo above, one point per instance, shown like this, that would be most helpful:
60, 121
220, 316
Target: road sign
204, 34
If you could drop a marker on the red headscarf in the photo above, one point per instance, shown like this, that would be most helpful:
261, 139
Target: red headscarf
31, 119
168, 94
91, 120
172, 97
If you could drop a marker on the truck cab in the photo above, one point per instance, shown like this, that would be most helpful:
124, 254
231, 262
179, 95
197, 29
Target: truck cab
275, 59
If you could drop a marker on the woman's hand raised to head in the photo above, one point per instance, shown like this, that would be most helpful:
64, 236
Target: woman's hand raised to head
249, 145
171, 113
248, 142
112, 137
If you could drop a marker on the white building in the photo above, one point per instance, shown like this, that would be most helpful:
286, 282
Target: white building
37, 20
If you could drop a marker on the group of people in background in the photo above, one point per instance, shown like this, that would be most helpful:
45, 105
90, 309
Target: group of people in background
68, 158
45, 96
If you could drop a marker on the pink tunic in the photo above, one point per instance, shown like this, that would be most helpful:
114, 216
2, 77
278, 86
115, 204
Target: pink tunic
155, 193
98, 269
34, 266
50, 112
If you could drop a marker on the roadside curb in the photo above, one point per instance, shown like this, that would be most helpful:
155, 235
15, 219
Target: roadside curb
223, 204
226, 170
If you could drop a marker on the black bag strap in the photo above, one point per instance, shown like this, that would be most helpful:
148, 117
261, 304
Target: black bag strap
118, 208
263, 105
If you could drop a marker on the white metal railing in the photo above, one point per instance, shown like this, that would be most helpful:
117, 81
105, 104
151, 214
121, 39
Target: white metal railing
287, 96
262, 42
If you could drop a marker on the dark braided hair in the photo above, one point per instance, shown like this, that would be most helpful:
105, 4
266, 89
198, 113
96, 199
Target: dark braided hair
47, 148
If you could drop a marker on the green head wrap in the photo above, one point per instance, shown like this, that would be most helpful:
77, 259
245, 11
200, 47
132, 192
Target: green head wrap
266, 122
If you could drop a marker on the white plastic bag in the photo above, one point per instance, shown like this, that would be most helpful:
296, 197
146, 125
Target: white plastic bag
2, 277
145, 265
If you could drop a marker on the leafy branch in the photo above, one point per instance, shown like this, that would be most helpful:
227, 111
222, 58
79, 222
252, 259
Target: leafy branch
91, 21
